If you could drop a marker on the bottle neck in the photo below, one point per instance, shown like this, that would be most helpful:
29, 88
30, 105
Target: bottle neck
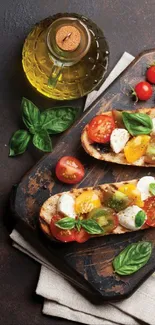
68, 40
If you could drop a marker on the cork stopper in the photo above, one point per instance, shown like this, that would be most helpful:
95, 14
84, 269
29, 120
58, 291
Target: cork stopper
68, 38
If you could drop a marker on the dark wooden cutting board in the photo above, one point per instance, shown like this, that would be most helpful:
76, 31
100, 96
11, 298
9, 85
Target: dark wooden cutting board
92, 260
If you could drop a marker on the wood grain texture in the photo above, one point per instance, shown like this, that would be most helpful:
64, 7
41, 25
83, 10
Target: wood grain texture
128, 27
92, 260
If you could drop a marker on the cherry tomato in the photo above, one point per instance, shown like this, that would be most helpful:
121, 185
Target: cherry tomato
69, 170
133, 193
143, 90
136, 148
105, 217
61, 234
81, 236
150, 152
149, 208
100, 128
87, 201
150, 74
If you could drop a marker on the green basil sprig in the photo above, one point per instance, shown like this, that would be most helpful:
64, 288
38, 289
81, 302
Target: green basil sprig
30, 115
42, 141
92, 227
89, 225
137, 123
19, 142
40, 125
152, 188
66, 223
58, 119
140, 218
132, 258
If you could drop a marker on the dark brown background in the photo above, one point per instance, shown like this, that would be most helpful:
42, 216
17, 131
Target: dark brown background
128, 25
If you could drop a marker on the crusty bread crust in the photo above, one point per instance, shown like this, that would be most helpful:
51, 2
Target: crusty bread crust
49, 208
112, 157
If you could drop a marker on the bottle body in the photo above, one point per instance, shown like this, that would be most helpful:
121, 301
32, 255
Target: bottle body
73, 80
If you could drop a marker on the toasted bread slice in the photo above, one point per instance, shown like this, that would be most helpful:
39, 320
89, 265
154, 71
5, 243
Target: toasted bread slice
49, 208
118, 158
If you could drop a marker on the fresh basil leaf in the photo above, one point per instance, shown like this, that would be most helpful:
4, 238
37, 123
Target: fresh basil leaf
19, 142
30, 115
137, 123
78, 224
42, 141
152, 188
140, 218
92, 227
58, 119
132, 258
66, 223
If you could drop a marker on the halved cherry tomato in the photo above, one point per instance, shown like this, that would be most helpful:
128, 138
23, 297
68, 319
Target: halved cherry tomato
61, 234
133, 193
150, 152
105, 217
81, 236
136, 148
143, 90
69, 170
67, 235
117, 116
100, 128
87, 201
149, 208
150, 74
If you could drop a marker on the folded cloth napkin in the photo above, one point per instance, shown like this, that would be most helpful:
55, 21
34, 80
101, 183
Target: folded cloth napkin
63, 300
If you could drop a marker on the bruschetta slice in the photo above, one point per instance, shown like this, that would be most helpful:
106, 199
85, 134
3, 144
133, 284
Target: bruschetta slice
122, 137
114, 208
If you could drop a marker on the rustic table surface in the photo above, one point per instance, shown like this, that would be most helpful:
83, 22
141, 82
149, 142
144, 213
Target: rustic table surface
128, 26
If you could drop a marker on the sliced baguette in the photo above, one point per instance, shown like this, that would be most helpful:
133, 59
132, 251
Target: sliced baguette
49, 208
111, 156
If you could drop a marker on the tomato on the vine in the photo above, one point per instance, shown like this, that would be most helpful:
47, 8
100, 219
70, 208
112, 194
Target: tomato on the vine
69, 170
150, 74
142, 91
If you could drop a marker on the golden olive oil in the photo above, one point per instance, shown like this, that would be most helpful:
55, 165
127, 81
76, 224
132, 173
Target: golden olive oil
59, 68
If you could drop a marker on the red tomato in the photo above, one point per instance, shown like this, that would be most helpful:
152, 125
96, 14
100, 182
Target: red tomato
61, 234
150, 74
100, 128
69, 170
149, 208
143, 90
67, 235
81, 236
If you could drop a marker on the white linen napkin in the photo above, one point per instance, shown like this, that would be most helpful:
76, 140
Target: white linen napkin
63, 300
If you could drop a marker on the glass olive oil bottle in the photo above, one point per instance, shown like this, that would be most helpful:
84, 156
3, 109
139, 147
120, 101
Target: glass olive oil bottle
65, 56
